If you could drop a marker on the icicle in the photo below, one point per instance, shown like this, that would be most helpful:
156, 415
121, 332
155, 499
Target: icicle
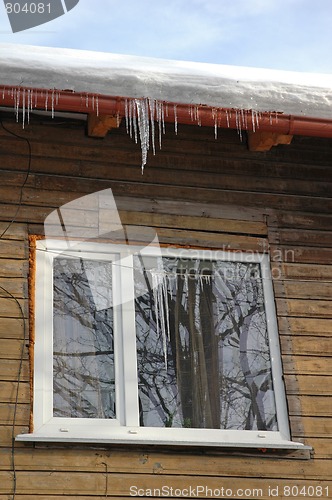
253, 124
198, 117
201, 281
165, 292
152, 118
227, 118
17, 103
155, 298
46, 100
32, 99
52, 103
135, 122
243, 124
162, 318
191, 113
14, 96
87, 100
142, 107
238, 124
186, 287
23, 109
29, 105
175, 120
130, 118
240, 131
160, 298
127, 116
159, 120
207, 278
257, 119
215, 118
140, 117
163, 119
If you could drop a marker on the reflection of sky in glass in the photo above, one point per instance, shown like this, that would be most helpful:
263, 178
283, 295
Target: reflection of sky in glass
83, 361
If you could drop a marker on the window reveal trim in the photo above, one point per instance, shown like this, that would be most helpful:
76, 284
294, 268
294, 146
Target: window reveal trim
125, 428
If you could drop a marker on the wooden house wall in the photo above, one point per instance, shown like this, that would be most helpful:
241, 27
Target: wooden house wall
196, 191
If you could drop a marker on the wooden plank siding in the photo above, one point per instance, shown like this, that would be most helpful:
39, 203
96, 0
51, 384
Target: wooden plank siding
196, 191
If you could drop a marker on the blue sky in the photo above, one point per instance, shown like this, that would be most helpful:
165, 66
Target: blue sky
281, 34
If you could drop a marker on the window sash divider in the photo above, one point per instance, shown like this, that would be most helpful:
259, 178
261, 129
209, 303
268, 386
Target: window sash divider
130, 387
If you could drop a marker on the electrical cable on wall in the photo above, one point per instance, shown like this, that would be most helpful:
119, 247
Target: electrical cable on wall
25, 178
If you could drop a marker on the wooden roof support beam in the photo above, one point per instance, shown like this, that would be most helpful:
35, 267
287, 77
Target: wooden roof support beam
264, 141
99, 126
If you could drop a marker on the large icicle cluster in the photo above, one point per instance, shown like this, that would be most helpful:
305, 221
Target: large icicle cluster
160, 296
163, 283
141, 115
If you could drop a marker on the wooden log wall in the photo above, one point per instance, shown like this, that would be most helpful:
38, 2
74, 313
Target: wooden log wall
196, 191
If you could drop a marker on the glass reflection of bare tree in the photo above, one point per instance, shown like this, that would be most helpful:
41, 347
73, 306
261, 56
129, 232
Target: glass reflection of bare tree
218, 371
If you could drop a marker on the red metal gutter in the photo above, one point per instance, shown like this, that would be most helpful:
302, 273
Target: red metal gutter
68, 101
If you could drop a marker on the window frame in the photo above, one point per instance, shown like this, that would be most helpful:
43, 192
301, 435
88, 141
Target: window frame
125, 428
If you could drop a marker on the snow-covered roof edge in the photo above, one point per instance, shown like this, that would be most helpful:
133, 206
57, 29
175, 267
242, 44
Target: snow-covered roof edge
264, 90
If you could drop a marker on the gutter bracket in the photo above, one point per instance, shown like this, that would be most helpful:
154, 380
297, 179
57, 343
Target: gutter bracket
264, 141
99, 125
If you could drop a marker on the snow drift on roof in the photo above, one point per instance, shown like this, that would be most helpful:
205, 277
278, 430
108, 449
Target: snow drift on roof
164, 80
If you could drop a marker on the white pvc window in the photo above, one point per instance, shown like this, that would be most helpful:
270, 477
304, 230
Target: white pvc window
173, 346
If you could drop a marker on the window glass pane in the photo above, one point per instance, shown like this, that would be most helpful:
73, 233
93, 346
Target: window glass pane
83, 358
202, 346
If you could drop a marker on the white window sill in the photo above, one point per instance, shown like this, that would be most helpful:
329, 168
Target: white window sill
260, 440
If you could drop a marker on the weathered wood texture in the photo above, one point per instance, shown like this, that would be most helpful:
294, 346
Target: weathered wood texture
196, 191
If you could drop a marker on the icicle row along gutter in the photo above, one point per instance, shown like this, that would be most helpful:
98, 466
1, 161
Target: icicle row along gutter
141, 113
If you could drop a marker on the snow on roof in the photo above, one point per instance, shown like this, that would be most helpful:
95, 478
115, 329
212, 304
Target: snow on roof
299, 94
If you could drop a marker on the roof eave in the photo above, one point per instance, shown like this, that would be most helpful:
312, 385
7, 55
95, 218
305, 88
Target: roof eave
32, 99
